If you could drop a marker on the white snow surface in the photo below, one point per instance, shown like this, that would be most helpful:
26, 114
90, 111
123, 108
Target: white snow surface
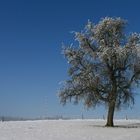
69, 130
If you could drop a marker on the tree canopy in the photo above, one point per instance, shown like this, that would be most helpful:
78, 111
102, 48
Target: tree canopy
104, 66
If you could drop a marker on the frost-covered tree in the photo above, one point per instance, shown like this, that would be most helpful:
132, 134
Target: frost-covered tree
104, 66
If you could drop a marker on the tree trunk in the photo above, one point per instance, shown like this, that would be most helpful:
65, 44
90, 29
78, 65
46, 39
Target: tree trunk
110, 116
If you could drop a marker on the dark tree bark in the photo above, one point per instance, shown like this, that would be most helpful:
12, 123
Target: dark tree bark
110, 115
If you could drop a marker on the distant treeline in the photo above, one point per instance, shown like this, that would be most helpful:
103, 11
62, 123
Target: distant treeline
7, 118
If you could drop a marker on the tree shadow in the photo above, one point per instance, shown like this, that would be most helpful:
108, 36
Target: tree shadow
131, 125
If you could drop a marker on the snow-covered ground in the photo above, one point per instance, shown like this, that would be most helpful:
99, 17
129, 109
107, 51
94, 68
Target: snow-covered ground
69, 130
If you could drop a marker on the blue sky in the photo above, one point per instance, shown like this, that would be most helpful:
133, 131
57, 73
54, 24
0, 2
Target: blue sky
31, 63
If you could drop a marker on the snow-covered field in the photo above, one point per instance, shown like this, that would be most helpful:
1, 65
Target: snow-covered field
69, 130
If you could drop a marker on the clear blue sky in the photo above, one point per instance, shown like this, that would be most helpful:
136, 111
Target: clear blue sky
31, 64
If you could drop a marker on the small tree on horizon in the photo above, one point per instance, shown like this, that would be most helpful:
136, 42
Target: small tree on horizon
104, 66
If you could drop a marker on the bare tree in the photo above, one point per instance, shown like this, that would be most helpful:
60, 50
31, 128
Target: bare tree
104, 66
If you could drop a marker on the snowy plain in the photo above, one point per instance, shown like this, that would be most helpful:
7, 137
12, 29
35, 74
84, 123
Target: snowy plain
69, 130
